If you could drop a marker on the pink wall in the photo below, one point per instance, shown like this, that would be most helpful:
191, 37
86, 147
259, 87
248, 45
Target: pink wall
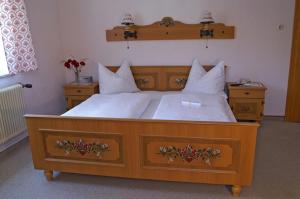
260, 51
46, 96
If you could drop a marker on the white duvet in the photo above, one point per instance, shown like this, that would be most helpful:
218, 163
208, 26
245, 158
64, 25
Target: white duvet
156, 105
124, 105
194, 107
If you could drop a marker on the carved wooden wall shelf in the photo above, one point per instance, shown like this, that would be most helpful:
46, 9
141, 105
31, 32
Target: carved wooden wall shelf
168, 29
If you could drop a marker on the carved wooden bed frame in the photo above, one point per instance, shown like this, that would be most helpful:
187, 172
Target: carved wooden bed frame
183, 151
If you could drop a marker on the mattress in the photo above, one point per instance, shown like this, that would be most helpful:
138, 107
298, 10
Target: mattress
145, 108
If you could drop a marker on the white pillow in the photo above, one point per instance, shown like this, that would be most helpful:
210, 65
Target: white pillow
211, 82
197, 71
120, 82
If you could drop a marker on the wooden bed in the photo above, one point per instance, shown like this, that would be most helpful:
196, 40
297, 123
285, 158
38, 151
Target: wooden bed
197, 152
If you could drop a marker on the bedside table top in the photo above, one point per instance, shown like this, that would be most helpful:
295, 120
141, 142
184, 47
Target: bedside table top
243, 87
82, 85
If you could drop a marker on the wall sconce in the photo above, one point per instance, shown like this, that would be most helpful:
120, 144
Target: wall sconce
205, 32
129, 32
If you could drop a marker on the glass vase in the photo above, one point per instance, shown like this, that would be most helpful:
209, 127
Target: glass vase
77, 77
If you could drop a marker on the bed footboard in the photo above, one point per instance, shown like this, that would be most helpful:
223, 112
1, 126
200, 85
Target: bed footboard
198, 152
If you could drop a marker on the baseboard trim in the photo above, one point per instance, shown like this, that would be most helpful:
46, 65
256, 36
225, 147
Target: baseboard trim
13, 141
277, 118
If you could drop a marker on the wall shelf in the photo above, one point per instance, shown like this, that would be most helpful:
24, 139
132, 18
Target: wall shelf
167, 29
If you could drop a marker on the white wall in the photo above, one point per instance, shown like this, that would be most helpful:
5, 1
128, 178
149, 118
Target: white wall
46, 96
260, 51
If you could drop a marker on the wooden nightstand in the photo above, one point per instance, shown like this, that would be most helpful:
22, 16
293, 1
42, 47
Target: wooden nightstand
77, 93
247, 102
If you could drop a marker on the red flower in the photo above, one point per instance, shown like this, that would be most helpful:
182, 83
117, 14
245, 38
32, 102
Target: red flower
67, 65
76, 65
74, 62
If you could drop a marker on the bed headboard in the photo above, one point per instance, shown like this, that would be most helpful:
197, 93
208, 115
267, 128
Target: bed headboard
160, 78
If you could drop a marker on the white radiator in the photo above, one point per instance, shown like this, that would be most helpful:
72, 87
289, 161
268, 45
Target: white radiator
12, 110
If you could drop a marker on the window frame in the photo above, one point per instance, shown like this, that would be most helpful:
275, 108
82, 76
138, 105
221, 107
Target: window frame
2, 56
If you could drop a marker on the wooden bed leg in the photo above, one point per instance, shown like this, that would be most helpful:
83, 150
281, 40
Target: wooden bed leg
236, 190
48, 175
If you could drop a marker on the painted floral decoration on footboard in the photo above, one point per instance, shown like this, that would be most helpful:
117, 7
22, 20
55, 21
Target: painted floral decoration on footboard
189, 154
82, 147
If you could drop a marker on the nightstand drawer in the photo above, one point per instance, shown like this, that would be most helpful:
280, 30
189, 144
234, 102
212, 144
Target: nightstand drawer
247, 109
79, 91
73, 101
247, 93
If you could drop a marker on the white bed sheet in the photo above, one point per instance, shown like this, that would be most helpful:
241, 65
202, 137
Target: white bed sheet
142, 110
194, 107
124, 105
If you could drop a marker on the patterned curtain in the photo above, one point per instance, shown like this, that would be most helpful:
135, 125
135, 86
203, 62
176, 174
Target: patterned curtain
16, 36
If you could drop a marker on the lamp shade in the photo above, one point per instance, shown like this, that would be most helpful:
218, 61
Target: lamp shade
127, 19
207, 18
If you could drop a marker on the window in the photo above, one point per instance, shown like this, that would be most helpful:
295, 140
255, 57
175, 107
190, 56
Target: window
3, 63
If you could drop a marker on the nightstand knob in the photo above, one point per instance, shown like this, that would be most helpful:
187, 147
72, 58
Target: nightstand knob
247, 93
78, 91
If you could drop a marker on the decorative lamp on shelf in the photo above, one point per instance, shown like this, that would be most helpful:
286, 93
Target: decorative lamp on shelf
127, 20
207, 18
129, 30
206, 32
